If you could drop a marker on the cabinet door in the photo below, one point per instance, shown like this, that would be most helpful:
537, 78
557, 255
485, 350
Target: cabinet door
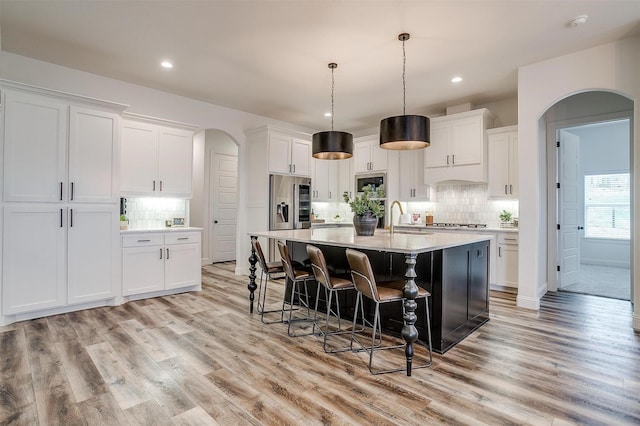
345, 178
321, 180
467, 141
478, 302
139, 158
508, 265
379, 157
182, 265
175, 162
407, 182
438, 152
279, 153
514, 189
33, 262
93, 156
361, 157
92, 253
498, 165
35, 148
142, 269
301, 157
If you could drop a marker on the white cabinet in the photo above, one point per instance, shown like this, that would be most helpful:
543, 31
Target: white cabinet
54, 255
412, 186
368, 156
156, 159
458, 149
331, 179
503, 162
507, 264
289, 154
160, 261
56, 151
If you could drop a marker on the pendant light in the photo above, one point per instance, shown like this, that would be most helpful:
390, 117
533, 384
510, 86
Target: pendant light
332, 145
404, 131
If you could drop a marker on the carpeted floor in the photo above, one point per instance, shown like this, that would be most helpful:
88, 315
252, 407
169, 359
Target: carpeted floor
603, 281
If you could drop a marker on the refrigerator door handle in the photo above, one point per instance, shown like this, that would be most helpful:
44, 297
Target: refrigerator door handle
296, 206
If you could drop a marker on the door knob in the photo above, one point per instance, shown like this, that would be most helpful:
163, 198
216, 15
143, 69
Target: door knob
215, 221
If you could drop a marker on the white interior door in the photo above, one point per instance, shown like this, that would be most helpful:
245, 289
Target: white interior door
569, 216
223, 209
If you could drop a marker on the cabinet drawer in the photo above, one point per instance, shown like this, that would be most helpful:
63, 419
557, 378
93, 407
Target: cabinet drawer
182, 237
507, 238
141, 240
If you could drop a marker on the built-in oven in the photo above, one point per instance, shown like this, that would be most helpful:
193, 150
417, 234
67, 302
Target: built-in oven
376, 180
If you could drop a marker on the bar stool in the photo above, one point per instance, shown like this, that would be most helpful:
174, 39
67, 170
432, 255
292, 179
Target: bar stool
297, 277
382, 292
332, 285
267, 270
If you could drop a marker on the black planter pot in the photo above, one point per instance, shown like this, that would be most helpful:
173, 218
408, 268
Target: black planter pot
365, 224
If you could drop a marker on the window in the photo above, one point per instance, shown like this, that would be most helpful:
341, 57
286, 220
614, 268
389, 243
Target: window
607, 206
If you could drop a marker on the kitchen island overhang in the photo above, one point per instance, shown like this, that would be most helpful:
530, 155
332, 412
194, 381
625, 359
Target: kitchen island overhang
454, 268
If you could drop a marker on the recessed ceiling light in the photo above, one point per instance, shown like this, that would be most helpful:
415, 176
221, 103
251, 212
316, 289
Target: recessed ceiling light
456, 79
166, 64
578, 20
327, 114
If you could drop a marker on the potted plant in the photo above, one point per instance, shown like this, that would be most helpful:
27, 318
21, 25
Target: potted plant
505, 217
366, 209
124, 222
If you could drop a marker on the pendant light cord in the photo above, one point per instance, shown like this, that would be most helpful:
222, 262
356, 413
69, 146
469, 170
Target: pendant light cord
404, 82
332, 87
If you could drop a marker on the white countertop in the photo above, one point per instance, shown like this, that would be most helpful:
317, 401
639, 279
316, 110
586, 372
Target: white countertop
424, 228
382, 240
164, 229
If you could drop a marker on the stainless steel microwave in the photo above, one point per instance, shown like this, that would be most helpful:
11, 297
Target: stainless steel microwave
374, 179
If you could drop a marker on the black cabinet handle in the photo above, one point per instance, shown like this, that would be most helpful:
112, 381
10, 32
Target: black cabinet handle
167, 254
71, 218
161, 253
60, 191
61, 224
71, 191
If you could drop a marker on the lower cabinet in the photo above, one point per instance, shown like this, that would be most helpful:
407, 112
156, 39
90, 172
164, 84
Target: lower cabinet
507, 263
160, 261
58, 255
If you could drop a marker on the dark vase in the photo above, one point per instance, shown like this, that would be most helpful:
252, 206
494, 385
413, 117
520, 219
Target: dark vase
365, 224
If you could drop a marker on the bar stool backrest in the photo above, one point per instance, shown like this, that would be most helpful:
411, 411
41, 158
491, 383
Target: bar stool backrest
362, 274
286, 261
258, 249
319, 265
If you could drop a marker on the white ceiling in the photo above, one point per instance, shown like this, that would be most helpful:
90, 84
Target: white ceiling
270, 57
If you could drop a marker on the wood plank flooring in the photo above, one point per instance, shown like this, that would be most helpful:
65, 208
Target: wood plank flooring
200, 359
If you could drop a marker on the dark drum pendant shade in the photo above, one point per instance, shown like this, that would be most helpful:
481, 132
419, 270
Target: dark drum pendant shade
332, 145
404, 132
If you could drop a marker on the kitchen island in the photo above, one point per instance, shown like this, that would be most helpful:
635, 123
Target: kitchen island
454, 268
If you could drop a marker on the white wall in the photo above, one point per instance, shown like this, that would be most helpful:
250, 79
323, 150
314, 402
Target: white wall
150, 102
613, 67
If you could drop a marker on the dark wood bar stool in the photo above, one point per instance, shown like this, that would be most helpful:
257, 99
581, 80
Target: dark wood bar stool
332, 284
381, 292
268, 269
298, 279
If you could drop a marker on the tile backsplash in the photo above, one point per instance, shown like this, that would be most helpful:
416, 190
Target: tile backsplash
455, 203
152, 212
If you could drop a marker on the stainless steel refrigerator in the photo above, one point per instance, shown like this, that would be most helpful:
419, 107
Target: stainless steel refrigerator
289, 206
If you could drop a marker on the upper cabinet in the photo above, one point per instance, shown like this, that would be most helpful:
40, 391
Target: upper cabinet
56, 150
503, 162
331, 178
412, 186
368, 156
289, 154
156, 159
458, 149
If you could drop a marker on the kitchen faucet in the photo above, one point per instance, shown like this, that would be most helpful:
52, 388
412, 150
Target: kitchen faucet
391, 214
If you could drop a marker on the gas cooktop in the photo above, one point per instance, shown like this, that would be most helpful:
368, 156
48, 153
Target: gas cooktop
456, 225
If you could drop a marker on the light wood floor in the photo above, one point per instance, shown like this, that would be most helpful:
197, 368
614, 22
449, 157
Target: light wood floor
200, 358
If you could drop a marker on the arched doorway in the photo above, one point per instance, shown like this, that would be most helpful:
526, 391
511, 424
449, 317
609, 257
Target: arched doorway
214, 205
588, 159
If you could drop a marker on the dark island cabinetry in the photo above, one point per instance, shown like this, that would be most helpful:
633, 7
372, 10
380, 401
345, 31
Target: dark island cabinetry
460, 292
